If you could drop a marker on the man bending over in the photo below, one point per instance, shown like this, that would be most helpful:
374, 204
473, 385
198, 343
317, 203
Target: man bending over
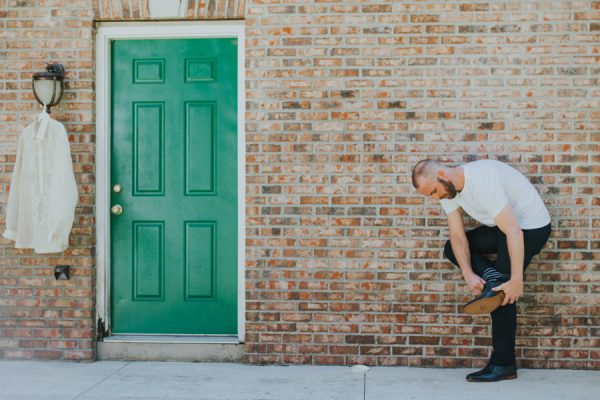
515, 227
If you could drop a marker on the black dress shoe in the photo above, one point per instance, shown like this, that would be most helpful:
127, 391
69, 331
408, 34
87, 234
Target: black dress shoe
487, 301
493, 373
483, 371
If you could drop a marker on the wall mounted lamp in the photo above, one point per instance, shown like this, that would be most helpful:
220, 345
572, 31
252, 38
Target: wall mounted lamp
48, 86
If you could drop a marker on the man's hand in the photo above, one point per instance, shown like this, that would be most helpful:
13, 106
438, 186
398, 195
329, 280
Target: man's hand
475, 284
513, 289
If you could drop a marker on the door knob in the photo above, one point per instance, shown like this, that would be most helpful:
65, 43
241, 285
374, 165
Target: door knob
116, 209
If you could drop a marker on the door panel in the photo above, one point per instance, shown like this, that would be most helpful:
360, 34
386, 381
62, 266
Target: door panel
199, 147
199, 260
148, 148
174, 153
148, 261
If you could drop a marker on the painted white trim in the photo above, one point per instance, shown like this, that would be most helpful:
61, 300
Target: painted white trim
159, 30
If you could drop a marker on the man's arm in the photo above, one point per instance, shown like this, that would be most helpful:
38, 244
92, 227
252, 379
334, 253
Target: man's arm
460, 247
507, 222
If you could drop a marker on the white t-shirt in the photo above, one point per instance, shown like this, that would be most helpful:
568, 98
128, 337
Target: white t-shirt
489, 186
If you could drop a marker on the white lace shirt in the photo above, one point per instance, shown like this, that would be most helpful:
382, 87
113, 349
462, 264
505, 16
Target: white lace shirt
43, 192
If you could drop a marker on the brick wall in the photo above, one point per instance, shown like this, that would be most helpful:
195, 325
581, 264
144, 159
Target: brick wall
343, 257
140, 9
41, 317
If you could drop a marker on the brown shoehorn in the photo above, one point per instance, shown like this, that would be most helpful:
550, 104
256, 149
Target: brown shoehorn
484, 305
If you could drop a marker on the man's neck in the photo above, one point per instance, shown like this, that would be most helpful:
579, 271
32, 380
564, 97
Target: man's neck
457, 177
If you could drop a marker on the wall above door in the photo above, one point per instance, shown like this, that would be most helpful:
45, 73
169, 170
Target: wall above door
152, 9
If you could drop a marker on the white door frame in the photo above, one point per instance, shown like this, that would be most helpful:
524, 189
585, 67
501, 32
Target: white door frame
107, 32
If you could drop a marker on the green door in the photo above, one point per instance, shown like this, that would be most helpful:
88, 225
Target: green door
174, 155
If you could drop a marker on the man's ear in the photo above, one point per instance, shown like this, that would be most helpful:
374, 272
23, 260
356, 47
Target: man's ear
441, 173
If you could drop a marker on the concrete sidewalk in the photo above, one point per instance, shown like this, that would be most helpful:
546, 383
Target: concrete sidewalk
108, 380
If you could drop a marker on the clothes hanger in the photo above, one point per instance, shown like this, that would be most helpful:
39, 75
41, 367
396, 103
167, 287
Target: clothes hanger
42, 123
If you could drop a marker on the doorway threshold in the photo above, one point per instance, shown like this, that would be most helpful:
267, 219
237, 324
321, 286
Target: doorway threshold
188, 348
190, 339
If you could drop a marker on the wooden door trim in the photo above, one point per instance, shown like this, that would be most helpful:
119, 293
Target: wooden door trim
106, 33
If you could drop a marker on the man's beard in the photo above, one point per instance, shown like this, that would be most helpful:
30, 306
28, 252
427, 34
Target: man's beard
450, 188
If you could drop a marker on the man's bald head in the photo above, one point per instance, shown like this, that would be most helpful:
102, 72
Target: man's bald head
434, 180
425, 169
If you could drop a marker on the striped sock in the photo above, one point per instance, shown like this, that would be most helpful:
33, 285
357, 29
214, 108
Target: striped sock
490, 274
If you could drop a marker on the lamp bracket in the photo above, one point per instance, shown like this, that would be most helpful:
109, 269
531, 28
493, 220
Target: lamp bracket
56, 69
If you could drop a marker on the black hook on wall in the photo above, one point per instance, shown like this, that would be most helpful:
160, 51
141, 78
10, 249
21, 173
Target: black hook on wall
62, 272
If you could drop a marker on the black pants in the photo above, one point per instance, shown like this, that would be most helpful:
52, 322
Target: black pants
486, 240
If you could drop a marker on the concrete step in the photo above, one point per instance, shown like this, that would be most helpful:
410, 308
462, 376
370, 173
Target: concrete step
170, 348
